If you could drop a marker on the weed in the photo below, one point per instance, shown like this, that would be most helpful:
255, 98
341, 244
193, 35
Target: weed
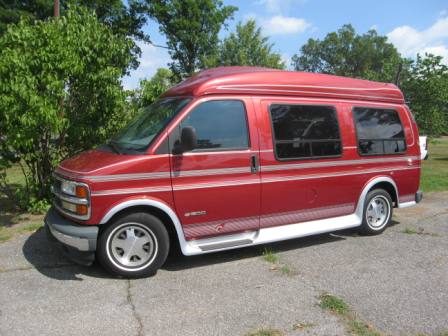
334, 304
270, 256
266, 332
285, 270
360, 328
354, 325
300, 326
409, 231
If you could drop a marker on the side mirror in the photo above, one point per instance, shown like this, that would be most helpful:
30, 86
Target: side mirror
188, 140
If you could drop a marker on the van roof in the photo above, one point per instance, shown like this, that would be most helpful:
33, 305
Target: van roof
264, 81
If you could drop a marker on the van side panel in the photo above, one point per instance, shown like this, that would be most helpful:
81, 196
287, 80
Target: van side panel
302, 190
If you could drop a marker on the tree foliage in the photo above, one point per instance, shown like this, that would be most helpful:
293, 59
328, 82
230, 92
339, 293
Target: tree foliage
247, 46
426, 89
191, 28
150, 89
60, 90
345, 53
122, 19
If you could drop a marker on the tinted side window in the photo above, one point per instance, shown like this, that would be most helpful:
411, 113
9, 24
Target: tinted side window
305, 131
379, 131
219, 124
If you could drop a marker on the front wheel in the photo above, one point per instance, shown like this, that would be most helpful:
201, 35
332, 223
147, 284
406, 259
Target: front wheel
135, 245
377, 213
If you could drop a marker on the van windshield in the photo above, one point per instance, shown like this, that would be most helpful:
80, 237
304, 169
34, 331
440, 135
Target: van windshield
138, 134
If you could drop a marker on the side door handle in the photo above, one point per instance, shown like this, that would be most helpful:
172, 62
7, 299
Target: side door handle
254, 167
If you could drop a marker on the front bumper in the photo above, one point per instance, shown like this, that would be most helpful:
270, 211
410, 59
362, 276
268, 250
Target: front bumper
79, 241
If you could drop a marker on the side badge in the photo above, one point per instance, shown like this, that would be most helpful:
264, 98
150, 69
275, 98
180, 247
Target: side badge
195, 213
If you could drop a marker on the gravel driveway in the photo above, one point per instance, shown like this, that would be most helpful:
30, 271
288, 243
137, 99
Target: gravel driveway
396, 282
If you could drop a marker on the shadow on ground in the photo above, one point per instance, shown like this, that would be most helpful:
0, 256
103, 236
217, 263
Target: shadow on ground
49, 259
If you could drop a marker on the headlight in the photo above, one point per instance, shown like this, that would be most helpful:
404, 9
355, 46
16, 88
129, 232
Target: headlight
68, 187
74, 189
72, 198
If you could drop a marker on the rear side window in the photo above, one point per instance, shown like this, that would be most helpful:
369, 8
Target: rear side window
305, 131
379, 131
220, 125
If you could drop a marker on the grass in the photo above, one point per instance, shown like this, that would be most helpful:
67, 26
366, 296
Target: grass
266, 332
300, 326
353, 324
7, 232
13, 222
334, 304
419, 231
270, 256
410, 231
435, 170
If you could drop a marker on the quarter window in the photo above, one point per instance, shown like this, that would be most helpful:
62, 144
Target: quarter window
219, 125
305, 131
379, 131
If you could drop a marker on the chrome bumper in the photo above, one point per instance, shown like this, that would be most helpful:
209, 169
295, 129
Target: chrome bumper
81, 237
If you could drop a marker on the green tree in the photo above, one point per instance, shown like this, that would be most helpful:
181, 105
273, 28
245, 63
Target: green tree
150, 89
60, 90
345, 53
426, 89
247, 46
126, 20
191, 28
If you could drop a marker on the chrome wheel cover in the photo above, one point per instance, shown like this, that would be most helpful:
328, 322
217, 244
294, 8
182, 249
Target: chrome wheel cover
378, 212
132, 246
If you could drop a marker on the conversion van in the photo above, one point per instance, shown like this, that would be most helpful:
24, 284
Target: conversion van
235, 157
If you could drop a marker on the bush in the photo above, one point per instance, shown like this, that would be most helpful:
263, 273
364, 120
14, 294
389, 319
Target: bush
60, 92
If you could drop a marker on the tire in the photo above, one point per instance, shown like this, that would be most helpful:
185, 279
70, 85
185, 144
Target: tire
377, 212
134, 246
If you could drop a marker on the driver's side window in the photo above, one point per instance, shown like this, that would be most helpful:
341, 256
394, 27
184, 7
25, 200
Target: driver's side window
219, 125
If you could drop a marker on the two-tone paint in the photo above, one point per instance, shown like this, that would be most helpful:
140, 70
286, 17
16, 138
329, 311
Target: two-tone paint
219, 200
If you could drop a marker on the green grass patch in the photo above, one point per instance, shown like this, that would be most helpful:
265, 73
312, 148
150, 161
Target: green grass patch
354, 325
285, 270
361, 328
334, 304
301, 326
7, 232
410, 231
270, 256
435, 170
266, 332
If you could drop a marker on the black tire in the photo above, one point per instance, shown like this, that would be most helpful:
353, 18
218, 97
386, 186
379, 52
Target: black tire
371, 223
134, 246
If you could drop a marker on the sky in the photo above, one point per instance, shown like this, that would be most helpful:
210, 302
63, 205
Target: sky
413, 26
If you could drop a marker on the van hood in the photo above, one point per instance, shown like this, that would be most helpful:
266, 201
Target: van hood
96, 162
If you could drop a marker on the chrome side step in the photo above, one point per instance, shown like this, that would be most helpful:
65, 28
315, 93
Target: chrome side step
223, 242
269, 235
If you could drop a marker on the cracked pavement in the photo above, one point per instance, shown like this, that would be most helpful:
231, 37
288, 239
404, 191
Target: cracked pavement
396, 282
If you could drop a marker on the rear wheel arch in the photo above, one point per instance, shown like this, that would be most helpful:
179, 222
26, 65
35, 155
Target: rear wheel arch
390, 188
378, 182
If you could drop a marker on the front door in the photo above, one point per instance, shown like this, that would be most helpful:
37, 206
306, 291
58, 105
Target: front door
216, 186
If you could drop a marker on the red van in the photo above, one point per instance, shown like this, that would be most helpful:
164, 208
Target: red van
235, 157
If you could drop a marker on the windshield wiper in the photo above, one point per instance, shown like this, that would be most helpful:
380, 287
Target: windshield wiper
114, 146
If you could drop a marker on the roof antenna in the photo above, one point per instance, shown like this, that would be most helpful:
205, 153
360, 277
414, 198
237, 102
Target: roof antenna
397, 76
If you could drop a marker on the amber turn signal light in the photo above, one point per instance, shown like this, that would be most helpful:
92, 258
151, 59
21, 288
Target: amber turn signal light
81, 192
81, 209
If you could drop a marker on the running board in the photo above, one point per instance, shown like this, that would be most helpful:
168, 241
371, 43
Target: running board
269, 235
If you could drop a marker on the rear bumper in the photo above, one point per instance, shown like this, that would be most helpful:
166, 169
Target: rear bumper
418, 196
79, 241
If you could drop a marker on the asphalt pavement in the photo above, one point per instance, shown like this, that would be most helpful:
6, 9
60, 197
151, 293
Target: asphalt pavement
396, 282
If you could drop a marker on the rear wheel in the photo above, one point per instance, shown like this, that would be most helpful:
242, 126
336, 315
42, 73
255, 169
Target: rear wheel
135, 245
377, 213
